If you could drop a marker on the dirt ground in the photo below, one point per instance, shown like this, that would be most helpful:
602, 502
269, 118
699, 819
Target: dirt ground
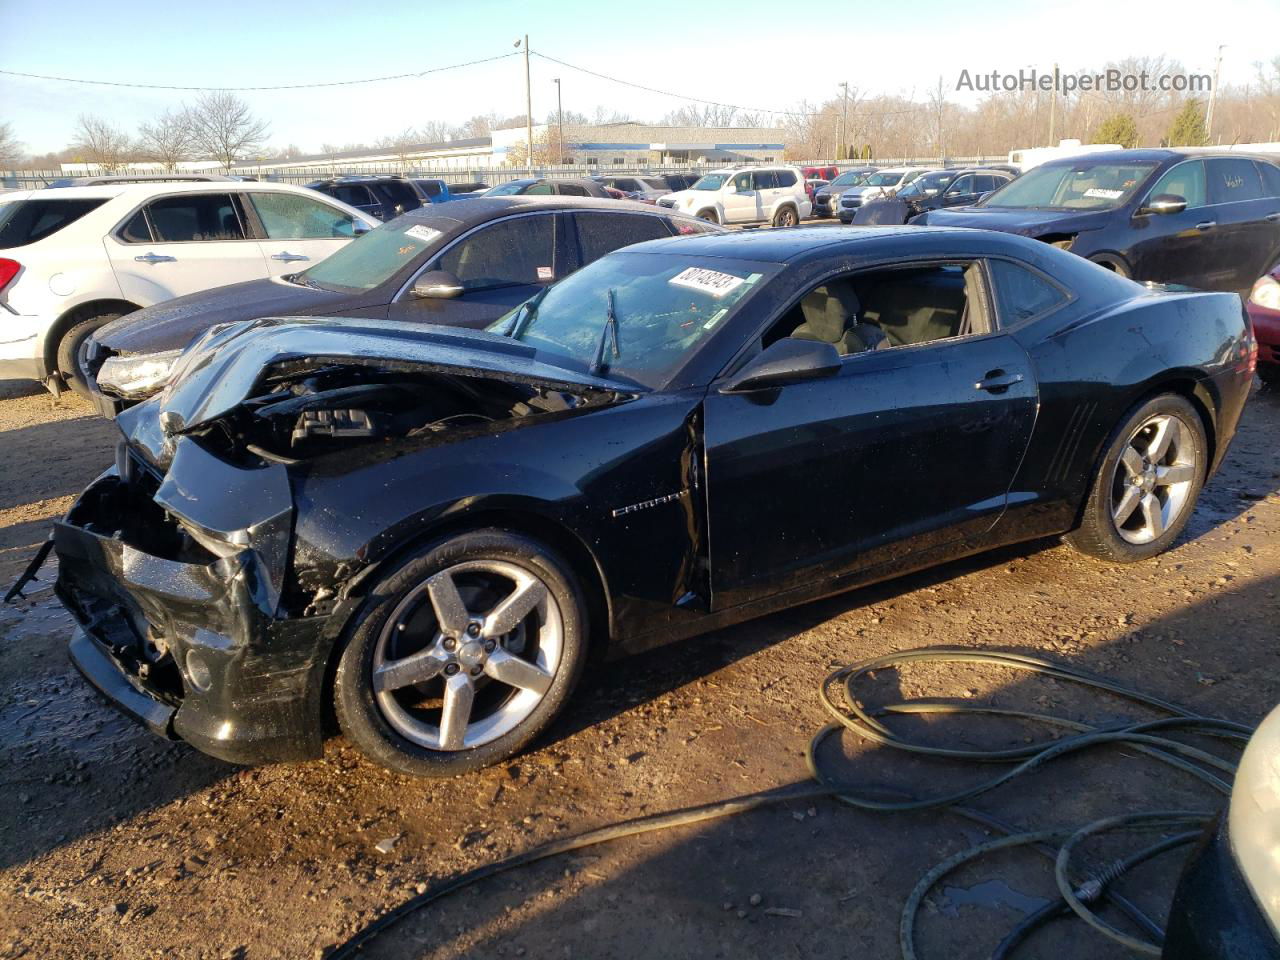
116, 844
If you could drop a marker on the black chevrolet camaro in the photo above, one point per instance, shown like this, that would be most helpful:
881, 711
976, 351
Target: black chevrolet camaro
431, 527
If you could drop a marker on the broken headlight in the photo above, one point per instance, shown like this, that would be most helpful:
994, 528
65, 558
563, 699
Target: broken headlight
1253, 821
137, 377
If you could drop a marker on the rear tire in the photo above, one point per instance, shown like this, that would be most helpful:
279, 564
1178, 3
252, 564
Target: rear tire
1145, 489
69, 350
1269, 375
435, 680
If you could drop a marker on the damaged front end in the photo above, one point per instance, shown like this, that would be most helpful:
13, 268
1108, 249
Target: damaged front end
178, 562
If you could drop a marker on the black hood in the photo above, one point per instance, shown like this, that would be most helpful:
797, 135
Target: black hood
175, 323
886, 211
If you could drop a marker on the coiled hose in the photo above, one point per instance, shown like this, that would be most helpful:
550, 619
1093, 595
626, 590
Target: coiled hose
1077, 896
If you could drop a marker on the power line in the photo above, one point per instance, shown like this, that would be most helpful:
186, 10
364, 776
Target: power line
287, 86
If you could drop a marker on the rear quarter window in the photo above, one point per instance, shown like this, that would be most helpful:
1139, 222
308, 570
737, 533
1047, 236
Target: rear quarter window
30, 221
786, 178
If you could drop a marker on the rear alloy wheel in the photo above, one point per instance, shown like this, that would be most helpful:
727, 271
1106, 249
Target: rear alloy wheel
785, 217
466, 653
1147, 486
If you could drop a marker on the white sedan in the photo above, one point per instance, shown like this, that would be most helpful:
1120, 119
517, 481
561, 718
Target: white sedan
75, 258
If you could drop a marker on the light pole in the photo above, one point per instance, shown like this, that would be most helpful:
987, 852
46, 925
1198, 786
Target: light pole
559, 123
1213, 95
844, 119
528, 103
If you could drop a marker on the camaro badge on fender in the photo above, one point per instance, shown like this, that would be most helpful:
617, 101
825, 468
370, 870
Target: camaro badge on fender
644, 504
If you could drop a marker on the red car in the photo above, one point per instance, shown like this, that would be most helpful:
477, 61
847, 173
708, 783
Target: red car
820, 173
1264, 311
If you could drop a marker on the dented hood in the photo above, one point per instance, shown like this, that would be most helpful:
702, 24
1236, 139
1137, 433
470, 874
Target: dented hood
223, 368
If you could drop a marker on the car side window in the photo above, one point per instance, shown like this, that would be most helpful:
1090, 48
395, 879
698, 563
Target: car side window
353, 194
195, 217
136, 229
742, 182
572, 190
518, 250
400, 194
963, 185
601, 233
764, 180
1021, 294
883, 309
786, 178
1270, 178
1185, 180
1232, 180
288, 216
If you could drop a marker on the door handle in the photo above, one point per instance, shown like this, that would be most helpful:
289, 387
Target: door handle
289, 257
997, 381
155, 258
1206, 224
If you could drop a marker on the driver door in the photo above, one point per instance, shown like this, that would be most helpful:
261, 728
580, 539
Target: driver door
909, 447
740, 205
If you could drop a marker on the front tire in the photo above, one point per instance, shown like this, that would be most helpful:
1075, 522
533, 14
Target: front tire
462, 655
1146, 487
69, 350
710, 216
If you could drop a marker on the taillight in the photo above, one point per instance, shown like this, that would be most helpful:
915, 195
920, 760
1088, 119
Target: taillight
1248, 348
8, 270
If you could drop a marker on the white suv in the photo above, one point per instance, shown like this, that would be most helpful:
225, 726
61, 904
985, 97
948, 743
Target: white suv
773, 195
74, 258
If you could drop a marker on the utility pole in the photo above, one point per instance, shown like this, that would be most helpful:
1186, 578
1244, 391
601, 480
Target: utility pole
1213, 95
844, 119
559, 122
528, 104
1053, 109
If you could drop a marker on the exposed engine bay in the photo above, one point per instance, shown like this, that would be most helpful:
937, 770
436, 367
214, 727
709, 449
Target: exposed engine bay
308, 408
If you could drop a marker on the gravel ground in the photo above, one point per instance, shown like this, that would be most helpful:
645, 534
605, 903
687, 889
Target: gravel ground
116, 844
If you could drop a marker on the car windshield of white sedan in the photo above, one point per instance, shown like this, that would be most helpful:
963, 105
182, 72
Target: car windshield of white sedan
1076, 186
710, 181
372, 259
663, 307
928, 185
849, 179
883, 179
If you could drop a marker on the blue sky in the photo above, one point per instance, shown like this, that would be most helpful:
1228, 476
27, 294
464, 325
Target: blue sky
740, 52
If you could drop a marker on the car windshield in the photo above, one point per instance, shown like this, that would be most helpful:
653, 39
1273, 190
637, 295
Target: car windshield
710, 181
850, 179
507, 189
666, 306
1083, 185
375, 257
883, 179
928, 185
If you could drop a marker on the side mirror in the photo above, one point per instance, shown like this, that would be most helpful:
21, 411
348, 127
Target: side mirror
437, 285
731, 188
1165, 203
785, 361
359, 228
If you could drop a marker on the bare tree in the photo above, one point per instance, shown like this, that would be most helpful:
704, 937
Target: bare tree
224, 128
707, 115
401, 144
97, 141
168, 139
9, 145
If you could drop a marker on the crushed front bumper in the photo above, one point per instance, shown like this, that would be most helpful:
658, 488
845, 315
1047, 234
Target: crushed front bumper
187, 641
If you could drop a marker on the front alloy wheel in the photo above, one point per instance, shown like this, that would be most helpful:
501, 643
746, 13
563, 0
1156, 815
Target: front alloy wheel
464, 654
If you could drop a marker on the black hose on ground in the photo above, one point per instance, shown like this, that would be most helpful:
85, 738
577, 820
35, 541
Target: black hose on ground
1079, 895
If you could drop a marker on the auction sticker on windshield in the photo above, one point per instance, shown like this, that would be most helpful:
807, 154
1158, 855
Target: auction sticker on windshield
419, 232
707, 281
1098, 193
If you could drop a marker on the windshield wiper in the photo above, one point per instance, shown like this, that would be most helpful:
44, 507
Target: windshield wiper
610, 331
300, 280
524, 315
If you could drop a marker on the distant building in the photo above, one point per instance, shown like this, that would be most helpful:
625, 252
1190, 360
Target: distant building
606, 145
